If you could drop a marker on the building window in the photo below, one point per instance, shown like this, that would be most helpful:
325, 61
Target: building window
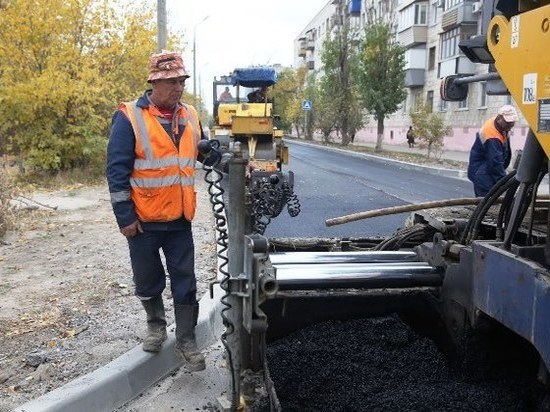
483, 94
414, 15
451, 3
449, 43
463, 104
450, 39
433, 13
443, 105
431, 58
430, 100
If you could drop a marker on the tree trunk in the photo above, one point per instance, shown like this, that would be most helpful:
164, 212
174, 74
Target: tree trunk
345, 134
380, 133
297, 127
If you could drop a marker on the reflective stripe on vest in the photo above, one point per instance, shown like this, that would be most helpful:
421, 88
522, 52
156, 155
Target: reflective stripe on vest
163, 179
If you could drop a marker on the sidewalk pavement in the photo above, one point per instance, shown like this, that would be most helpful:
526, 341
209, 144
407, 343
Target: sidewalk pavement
456, 155
130, 375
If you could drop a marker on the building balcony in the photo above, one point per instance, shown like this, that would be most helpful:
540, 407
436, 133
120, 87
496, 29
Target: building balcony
310, 45
456, 65
302, 47
414, 77
461, 14
413, 35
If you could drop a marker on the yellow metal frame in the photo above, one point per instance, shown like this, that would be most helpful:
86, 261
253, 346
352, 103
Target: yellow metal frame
520, 49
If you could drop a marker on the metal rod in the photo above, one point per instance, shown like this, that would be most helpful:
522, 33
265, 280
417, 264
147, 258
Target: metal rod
284, 258
389, 275
477, 78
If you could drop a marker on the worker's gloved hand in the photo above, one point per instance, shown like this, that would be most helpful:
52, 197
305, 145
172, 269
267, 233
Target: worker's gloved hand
223, 165
132, 229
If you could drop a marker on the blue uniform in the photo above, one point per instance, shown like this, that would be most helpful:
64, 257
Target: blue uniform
489, 157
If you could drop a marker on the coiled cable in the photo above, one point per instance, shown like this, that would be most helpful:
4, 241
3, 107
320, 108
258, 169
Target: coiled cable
214, 177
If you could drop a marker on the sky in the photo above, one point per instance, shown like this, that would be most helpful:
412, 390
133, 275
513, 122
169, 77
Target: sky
238, 33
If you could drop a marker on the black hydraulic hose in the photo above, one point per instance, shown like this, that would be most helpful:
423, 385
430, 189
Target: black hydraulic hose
481, 205
533, 204
395, 241
423, 232
489, 201
504, 213
525, 191
531, 190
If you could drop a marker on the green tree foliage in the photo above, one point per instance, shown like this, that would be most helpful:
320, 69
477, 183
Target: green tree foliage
429, 128
310, 118
287, 95
325, 117
66, 64
381, 75
338, 93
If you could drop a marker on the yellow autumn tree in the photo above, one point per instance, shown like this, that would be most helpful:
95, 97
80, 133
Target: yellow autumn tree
65, 65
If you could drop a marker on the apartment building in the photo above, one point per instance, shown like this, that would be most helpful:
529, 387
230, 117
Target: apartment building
430, 31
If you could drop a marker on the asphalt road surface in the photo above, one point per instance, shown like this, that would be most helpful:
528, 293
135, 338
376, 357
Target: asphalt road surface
331, 184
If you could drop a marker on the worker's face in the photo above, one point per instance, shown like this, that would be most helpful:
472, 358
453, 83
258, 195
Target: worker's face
167, 92
504, 125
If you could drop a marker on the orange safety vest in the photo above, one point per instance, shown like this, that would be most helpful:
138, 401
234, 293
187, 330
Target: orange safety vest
163, 179
489, 131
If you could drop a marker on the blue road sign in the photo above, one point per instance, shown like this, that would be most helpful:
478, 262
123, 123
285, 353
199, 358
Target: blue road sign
306, 105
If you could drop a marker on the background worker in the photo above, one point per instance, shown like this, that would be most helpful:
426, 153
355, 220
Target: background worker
225, 96
257, 96
491, 154
151, 158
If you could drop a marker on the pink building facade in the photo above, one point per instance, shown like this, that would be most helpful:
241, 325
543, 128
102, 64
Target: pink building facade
460, 139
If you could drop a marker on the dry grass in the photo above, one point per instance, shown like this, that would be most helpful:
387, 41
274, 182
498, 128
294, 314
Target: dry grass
8, 219
13, 184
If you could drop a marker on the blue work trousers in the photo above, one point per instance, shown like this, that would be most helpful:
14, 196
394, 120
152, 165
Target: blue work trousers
149, 274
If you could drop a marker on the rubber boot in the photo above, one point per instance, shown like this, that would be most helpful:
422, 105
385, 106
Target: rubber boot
186, 345
156, 324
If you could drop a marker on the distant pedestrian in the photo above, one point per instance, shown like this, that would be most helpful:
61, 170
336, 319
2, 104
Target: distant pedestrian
491, 154
410, 137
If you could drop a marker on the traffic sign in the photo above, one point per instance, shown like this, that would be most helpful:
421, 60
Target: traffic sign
306, 105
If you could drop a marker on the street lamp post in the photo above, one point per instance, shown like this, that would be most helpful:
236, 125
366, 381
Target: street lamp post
199, 108
195, 58
161, 25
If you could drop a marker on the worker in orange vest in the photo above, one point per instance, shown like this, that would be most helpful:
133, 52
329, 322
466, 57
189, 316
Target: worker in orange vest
491, 153
151, 158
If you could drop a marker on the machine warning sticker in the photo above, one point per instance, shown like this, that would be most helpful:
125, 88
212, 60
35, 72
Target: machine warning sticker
544, 116
529, 88
514, 35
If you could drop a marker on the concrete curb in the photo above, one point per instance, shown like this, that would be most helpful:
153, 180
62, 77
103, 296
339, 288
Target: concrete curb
454, 173
121, 380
